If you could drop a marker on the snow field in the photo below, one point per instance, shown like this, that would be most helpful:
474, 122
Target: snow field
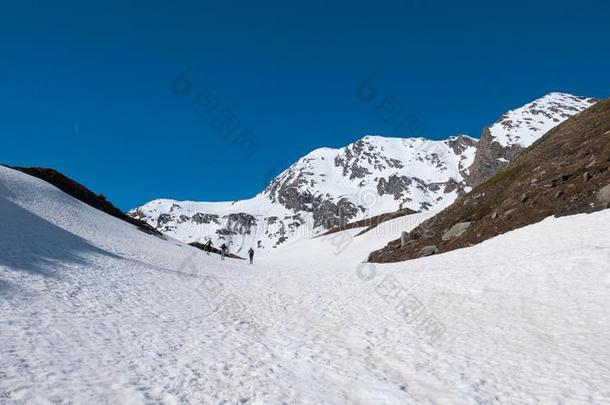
94, 310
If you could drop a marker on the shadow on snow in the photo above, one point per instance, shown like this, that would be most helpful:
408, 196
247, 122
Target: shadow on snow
32, 244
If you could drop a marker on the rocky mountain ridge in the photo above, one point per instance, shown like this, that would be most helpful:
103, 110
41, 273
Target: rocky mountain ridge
374, 175
324, 189
519, 128
565, 172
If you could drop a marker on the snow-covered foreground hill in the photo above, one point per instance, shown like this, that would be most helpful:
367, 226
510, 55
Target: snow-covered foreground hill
94, 310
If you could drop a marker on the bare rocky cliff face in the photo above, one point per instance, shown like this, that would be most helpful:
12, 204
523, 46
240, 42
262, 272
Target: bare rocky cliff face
491, 157
565, 172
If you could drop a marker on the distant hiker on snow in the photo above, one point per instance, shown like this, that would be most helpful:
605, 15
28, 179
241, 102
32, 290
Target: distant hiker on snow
208, 247
223, 251
251, 255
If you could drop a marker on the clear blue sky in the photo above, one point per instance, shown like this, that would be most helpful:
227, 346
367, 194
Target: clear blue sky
86, 87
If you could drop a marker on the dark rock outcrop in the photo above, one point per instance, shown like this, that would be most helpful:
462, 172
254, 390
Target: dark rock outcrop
491, 157
238, 224
201, 246
371, 222
394, 185
201, 218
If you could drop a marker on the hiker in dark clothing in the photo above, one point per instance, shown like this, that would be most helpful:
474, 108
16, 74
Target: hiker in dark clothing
223, 251
251, 255
208, 247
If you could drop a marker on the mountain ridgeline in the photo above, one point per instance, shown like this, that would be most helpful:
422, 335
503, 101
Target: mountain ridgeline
565, 172
330, 188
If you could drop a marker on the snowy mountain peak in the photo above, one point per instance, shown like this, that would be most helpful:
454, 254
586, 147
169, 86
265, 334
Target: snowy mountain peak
524, 125
519, 128
366, 164
325, 188
329, 187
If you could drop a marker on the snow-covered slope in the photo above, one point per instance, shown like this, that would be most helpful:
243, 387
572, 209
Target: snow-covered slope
329, 187
95, 311
519, 128
415, 173
524, 125
326, 188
